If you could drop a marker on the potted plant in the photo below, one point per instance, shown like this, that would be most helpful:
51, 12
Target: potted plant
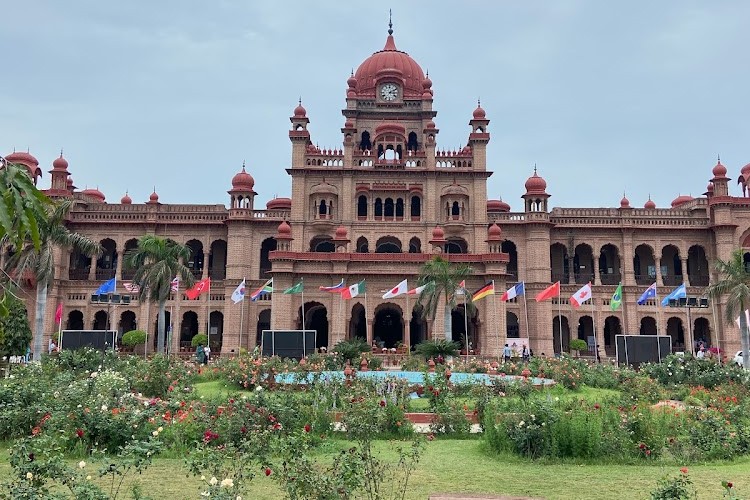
578, 345
134, 338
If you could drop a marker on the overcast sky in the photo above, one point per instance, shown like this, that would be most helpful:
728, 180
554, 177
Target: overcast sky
636, 97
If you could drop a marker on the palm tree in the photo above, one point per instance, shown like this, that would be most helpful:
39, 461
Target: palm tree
442, 279
156, 262
40, 263
22, 205
735, 284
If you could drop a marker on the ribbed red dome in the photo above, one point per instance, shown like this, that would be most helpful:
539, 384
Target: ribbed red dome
126, 200
624, 202
284, 229
710, 187
720, 170
535, 184
341, 233
70, 182
352, 82
497, 206
684, 198
60, 163
94, 193
390, 61
243, 181
279, 204
438, 233
650, 204
427, 83
494, 232
479, 113
21, 157
745, 170
300, 111
154, 198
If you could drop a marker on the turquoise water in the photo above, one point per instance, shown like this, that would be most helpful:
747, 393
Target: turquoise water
414, 377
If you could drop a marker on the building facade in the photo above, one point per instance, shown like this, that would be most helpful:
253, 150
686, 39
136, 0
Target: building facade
377, 207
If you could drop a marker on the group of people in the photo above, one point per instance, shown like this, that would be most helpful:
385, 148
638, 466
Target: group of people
203, 354
526, 353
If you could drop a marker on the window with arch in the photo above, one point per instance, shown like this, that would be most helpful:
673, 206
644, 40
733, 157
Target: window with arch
362, 206
388, 244
456, 245
322, 244
362, 245
388, 208
322, 208
378, 207
400, 208
455, 210
415, 246
416, 206
412, 144
365, 144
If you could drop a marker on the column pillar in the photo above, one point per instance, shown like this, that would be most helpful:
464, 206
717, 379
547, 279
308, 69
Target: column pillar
118, 271
659, 277
204, 271
685, 277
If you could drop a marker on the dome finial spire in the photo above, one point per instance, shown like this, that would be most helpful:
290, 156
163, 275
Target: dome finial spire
534, 168
718, 158
390, 22
61, 151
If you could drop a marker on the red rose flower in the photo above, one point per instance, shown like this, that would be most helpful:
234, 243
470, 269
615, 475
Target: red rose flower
596, 406
684, 470
79, 433
268, 471
307, 427
382, 402
729, 484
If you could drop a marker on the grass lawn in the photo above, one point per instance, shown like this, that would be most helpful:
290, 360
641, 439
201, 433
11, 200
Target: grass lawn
462, 466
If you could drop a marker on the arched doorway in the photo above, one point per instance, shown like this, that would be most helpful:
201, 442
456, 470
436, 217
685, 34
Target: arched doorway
388, 327
557, 322
188, 328
127, 322
75, 320
585, 328
644, 265
648, 326
358, 323
167, 331
316, 317
417, 326
268, 246
702, 332
264, 323
507, 246
459, 325
512, 329
612, 327
677, 332
216, 330
100, 321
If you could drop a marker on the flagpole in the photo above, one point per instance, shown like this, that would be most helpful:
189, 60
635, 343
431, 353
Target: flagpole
593, 323
368, 336
59, 333
526, 314
559, 319
407, 321
466, 327
170, 332
497, 319
242, 316
208, 314
304, 327
272, 294
658, 308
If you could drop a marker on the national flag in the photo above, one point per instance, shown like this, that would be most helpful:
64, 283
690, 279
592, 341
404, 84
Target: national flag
334, 289
238, 295
650, 293
678, 293
549, 292
108, 286
175, 285
488, 289
581, 296
616, 301
298, 288
131, 287
461, 290
266, 288
58, 313
397, 290
353, 290
418, 290
747, 319
513, 292
199, 288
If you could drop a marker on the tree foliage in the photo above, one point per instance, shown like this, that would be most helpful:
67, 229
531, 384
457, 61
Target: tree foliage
134, 338
442, 279
15, 332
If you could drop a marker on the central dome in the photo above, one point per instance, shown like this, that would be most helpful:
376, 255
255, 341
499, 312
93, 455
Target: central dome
390, 62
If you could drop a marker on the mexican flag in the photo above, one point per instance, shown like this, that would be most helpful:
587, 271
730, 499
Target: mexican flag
353, 290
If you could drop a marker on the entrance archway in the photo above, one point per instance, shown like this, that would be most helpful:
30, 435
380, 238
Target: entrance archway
75, 320
585, 328
612, 327
702, 332
648, 326
388, 327
316, 317
417, 327
127, 322
188, 328
100, 320
358, 323
556, 323
512, 330
264, 323
677, 332
216, 330
459, 324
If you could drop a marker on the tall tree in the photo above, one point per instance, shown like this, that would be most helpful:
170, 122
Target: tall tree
734, 283
157, 261
15, 333
442, 279
28, 261
22, 205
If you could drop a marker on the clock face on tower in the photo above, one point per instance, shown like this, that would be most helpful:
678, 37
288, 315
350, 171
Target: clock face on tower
389, 92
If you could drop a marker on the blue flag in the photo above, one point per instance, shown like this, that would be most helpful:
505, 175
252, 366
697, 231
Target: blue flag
107, 287
677, 293
650, 293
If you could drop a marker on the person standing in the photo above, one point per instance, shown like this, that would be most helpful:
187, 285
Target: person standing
200, 354
207, 353
52, 346
507, 353
526, 353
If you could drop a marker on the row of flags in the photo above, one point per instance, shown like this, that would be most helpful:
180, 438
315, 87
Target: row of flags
348, 292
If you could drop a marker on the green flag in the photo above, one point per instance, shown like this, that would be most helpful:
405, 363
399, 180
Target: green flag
298, 288
616, 301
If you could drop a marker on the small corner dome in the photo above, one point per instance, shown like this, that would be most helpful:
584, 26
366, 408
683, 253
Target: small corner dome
284, 229
745, 170
341, 233
497, 206
624, 202
650, 204
684, 198
279, 204
479, 113
720, 170
60, 163
535, 184
243, 181
438, 233
126, 200
94, 193
300, 111
494, 231
154, 198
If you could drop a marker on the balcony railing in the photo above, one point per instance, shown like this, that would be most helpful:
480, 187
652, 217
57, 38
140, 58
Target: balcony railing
610, 278
217, 274
197, 273
644, 279
585, 277
105, 274
78, 274
672, 280
698, 280
563, 278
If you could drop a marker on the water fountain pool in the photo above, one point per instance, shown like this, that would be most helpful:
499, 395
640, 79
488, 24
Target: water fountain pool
411, 377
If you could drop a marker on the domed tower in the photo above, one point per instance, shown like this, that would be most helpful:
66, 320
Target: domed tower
479, 137
720, 179
494, 238
536, 195
59, 174
284, 237
242, 196
28, 161
299, 135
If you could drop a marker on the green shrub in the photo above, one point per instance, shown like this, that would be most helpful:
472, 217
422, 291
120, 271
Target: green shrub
134, 338
578, 345
199, 339
351, 350
437, 347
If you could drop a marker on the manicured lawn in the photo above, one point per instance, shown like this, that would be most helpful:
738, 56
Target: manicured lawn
463, 466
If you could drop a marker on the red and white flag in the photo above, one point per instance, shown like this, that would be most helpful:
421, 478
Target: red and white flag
201, 287
581, 296
397, 290
418, 290
175, 284
131, 287
461, 290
